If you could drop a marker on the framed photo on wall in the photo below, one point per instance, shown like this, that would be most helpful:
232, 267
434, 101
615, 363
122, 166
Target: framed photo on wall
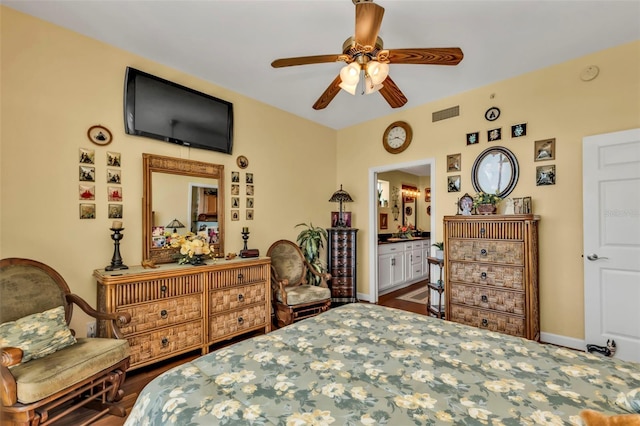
384, 224
545, 150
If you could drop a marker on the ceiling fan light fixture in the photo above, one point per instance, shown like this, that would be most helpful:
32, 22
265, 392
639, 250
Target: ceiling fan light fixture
378, 71
350, 74
370, 86
349, 88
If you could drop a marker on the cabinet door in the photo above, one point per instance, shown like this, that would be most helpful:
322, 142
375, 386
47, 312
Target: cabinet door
397, 270
385, 271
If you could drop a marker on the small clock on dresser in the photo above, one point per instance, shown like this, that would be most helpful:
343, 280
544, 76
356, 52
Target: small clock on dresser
397, 137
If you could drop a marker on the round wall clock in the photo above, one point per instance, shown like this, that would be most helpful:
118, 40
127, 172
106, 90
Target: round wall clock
397, 137
99, 135
492, 114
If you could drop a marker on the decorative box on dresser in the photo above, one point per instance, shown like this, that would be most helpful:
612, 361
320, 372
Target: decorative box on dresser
491, 272
180, 308
341, 264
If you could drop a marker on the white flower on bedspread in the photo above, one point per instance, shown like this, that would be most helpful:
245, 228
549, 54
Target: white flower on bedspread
546, 418
422, 376
499, 364
367, 420
316, 418
448, 379
537, 396
263, 357
579, 371
503, 386
415, 401
225, 409
358, 393
333, 390
474, 346
524, 366
252, 413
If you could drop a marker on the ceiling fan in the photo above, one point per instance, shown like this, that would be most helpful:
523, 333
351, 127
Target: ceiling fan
364, 53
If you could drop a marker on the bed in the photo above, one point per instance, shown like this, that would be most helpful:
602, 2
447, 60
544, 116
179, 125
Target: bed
367, 364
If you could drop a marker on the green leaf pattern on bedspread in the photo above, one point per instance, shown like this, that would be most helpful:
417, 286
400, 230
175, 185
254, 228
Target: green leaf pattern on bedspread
363, 364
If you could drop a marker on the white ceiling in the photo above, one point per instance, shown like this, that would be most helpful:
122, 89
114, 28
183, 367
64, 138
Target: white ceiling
232, 43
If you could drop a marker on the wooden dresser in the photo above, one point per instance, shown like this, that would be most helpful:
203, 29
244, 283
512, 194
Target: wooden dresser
491, 273
341, 264
180, 308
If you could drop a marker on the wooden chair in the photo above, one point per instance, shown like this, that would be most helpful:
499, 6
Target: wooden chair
87, 373
293, 298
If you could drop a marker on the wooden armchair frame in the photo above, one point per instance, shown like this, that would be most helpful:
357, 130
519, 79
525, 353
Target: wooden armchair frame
285, 313
101, 391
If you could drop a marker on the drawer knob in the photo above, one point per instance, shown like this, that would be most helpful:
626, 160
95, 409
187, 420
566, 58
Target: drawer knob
240, 320
240, 276
485, 322
483, 252
483, 275
164, 314
483, 231
240, 298
165, 342
484, 298
163, 288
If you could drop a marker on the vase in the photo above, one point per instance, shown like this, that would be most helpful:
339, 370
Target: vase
486, 209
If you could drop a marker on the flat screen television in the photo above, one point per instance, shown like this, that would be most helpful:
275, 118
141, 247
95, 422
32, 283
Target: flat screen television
160, 109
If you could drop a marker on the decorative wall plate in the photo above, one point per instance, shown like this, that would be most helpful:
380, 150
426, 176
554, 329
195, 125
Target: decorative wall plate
492, 114
99, 135
242, 162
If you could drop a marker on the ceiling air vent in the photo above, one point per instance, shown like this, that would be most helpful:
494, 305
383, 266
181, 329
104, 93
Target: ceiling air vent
445, 113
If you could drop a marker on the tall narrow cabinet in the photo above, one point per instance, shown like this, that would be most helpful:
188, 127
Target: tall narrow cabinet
491, 273
342, 254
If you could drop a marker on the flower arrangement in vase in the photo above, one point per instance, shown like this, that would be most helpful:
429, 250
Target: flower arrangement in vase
192, 248
486, 203
405, 231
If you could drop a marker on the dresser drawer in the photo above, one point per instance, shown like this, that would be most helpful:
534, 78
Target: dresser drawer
340, 273
238, 276
513, 230
145, 291
161, 313
163, 343
237, 321
502, 323
512, 302
487, 274
506, 252
235, 297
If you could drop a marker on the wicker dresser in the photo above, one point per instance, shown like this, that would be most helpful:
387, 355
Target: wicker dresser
491, 273
341, 264
180, 308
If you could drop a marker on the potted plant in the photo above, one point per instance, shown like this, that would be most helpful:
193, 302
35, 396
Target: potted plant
439, 249
486, 203
311, 241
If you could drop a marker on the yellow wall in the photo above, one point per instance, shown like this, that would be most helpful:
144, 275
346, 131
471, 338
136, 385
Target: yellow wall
56, 84
555, 103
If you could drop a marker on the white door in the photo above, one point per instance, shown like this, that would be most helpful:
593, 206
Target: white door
611, 193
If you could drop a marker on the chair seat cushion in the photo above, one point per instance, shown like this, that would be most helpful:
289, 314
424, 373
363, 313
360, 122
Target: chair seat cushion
42, 377
297, 295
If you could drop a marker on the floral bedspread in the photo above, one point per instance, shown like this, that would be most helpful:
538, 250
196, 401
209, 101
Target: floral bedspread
363, 364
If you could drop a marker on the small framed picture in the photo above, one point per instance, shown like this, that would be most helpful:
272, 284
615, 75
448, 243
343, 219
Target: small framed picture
157, 231
235, 202
250, 214
235, 177
465, 205
427, 195
453, 163
249, 178
250, 190
384, 224
158, 242
115, 211
242, 162
494, 134
87, 156
545, 150
335, 219
113, 159
517, 205
235, 215
235, 189
114, 176
87, 211
473, 138
87, 192
87, 174
249, 202
114, 193
526, 205
99, 135
519, 130
453, 183
546, 175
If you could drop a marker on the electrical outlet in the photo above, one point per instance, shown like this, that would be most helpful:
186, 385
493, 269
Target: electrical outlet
91, 329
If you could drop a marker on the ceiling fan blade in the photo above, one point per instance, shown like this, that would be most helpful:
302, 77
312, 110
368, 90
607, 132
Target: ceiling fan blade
328, 94
368, 21
392, 93
428, 56
304, 60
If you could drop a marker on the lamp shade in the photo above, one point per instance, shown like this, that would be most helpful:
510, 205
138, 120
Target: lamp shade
341, 196
378, 71
370, 86
175, 223
350, 74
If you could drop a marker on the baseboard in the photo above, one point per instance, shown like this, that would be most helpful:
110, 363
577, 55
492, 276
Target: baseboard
568, 342
364, 297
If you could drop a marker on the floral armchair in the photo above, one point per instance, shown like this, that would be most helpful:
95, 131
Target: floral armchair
46, 371
293, 298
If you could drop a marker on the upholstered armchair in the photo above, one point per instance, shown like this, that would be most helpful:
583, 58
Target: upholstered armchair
293, 298
46, 371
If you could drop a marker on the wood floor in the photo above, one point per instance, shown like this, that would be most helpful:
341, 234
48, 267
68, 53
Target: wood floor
138, 379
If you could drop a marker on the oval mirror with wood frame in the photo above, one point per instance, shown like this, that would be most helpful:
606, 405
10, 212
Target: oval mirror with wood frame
180, 195
495, 171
